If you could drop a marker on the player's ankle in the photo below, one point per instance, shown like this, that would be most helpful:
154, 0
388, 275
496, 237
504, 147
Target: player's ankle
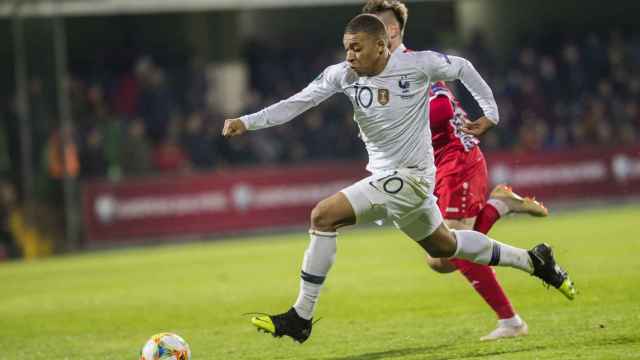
500, 205
514, 321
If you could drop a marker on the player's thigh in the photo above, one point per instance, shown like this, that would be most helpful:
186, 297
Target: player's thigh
409, 201
462, 186
403, 196
333, 212
421, 222
366, 204
456, 198
445, 192
476, 183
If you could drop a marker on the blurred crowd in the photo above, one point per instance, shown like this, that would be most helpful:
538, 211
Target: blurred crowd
565, 92
557, 93
551, 95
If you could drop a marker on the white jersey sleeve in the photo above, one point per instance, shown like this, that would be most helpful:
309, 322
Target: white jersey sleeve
325, 85
437, 66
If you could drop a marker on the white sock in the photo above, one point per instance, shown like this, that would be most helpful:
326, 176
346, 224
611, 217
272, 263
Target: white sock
481, 249
318, 259
515, 321
501, 206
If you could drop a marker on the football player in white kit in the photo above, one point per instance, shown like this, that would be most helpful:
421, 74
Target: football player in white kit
389, 95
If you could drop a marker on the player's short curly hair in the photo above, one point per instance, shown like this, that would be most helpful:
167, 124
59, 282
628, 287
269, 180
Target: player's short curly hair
399, 10
367, 23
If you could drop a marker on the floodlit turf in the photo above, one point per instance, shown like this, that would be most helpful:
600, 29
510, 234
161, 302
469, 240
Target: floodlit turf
379, 301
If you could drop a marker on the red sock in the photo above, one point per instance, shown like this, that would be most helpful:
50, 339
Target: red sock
486, 218
486, 284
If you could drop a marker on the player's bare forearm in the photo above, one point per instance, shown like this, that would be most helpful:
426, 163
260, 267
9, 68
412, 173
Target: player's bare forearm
233, 127
478, 127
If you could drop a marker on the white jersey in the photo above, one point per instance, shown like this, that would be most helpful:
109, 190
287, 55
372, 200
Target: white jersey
389, 108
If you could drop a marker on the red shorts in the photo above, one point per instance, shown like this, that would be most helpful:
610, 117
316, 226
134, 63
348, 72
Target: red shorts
461, 183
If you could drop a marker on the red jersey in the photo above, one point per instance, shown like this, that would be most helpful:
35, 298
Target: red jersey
461, 178
446, 117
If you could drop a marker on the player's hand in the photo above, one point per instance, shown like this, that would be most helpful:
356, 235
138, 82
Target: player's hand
478, 127
233, 127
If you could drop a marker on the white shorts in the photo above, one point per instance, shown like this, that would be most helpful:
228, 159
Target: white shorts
403, 196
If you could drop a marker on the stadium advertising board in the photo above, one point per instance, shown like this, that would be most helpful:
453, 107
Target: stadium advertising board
260, 198
217, 202
566, 175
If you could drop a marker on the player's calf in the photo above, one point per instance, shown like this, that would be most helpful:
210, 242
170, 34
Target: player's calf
440, 244
443, 265
480, 249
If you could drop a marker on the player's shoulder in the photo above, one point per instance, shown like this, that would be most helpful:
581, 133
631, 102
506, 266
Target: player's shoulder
406, 59
337, 73
410, 54
339, 69
417, 58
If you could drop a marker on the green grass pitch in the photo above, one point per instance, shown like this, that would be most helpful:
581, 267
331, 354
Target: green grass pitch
379, 302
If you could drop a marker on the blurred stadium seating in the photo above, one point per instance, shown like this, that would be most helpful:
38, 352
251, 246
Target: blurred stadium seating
141, 109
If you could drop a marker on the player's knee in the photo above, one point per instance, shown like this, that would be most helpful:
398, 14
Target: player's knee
440, 251
321, 218
440, 244
448, 245
431, 248
440, 265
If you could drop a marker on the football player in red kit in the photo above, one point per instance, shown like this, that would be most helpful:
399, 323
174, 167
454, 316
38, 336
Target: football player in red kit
462, 181
461, 188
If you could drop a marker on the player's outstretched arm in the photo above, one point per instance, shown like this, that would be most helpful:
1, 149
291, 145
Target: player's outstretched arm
438, 66
283, 111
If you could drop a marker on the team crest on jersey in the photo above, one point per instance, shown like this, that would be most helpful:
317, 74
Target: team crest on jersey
404, 84
383, 96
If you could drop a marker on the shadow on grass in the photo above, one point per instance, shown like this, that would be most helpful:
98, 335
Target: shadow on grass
392, 353
425, 350
431, 352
